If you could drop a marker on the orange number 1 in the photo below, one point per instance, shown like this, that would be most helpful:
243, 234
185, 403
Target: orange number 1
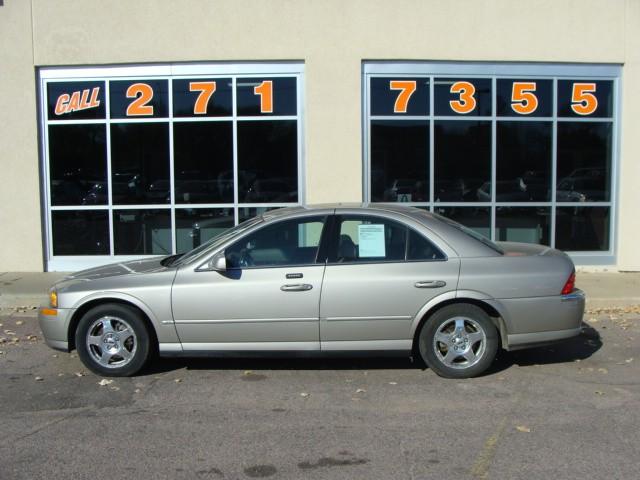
206, 90
265, 90
406, 87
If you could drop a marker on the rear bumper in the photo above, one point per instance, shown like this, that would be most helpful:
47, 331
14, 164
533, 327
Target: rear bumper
54, 324
541, 320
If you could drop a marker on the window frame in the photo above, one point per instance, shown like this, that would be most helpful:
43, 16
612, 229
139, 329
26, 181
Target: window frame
169, 72
495, 71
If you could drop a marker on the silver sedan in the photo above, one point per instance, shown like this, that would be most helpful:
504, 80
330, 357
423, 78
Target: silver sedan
322, 280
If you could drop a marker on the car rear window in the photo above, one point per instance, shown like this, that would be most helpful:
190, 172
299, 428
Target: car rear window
470, 233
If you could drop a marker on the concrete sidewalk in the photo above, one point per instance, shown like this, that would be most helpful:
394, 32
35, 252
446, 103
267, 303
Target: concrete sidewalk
604, 289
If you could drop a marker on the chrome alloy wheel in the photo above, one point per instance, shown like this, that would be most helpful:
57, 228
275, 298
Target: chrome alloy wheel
459, 342
111, 342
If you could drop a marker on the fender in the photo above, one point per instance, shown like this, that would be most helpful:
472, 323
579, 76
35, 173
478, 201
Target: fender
165, 331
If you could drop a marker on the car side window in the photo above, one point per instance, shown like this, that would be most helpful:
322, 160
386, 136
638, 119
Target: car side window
367, 239
372, 239
419, 248
290, 242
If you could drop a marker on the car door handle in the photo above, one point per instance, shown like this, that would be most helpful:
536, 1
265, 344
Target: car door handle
430, 284
297, 287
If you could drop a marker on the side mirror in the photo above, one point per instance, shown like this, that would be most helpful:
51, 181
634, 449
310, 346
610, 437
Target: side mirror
218, 263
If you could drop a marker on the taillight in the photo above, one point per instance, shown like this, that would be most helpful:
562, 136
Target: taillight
570, 285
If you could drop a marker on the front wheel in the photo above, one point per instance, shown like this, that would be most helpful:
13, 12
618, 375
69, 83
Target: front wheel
113, 340
458, 341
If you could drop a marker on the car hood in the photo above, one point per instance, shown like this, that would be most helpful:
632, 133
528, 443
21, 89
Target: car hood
133, 267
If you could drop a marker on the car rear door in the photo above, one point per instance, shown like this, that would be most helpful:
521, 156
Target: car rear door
380, 273
267, 299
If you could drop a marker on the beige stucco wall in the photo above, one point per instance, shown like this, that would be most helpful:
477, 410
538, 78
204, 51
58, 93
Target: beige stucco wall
332, 37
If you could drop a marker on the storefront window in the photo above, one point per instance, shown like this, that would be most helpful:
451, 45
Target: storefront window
518, 152
156, 160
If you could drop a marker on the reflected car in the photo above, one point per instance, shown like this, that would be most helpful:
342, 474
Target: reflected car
325, 280
583, 185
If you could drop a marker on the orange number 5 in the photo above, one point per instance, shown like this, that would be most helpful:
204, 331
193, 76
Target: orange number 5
583, 100
265, 90
206, 89
466, 102
406, 87
143, 94
523, 100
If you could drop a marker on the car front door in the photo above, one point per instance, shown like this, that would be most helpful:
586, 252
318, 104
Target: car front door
380, 273
267, 298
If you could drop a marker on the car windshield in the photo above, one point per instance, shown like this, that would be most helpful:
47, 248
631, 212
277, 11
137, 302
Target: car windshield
471, 233
216, 240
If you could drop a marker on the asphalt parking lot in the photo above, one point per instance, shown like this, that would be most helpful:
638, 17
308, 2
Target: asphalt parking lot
567, 411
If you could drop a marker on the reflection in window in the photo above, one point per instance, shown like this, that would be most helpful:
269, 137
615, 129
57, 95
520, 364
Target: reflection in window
518, 224
476, 218
584, 161
292, 242
462, 152
523, 161
203, 162
142, 232
82, 232
399, 161
140, 163
582, 228
78, 164
194, 226
268, 161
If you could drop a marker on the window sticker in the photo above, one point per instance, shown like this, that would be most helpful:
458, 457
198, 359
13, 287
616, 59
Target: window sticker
371, 241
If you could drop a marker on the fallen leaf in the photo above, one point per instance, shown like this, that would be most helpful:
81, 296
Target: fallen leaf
19, 322
393, 383
522, 428
137, 390
603, 370
115, 389
61, 374
39, 379
304, 394
31, 337
55, 355
361, 390
599, 392
79, 374
104, 382
629, 360
177, 380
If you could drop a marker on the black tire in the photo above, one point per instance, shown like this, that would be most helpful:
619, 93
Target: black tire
113, 340
470, 341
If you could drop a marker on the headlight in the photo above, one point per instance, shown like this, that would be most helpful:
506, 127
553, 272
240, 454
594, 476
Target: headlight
53, 299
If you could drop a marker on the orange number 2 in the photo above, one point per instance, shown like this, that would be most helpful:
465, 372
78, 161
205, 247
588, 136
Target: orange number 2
143, 94
523, 100
206, 90
466, 102
406, 87
583, 100
265, 90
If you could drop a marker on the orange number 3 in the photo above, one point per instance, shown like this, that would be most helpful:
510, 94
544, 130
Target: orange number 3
143, 94
466, 102
206, 90
406, 87
583, 100
265, 90
523, 100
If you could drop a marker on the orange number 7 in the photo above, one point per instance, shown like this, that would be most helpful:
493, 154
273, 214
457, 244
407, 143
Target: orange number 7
406, 87
206, 90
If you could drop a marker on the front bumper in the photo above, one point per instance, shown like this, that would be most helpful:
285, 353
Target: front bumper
541, 320
54, 323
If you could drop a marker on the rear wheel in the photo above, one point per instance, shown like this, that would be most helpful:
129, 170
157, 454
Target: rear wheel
113, 340
458, 341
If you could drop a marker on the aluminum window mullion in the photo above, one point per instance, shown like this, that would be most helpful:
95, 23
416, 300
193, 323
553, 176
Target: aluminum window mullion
494, 131
107, 109
174, 229
554, 163
234, 106
432, 182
